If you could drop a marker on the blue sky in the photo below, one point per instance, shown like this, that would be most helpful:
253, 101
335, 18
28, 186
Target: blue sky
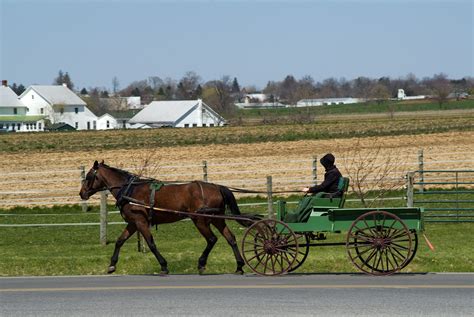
255, 41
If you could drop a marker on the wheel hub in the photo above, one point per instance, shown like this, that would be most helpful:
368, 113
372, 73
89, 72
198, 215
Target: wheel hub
270, 247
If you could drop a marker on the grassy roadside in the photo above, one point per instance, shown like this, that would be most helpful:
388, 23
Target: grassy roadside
76, 250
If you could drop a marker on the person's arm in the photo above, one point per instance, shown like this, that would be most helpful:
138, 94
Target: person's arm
325, 185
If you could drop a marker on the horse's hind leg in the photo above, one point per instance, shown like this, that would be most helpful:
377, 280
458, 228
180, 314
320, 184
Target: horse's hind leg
229, 236
127, 233
145, 231
204, 228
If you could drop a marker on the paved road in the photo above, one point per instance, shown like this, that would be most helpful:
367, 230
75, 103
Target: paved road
231, 295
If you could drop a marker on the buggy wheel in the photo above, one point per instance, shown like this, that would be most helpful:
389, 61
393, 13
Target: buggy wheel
303, 251
379, 243
415, 248
269, 247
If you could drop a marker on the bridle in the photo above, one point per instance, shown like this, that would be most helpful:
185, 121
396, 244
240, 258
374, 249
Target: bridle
90, 183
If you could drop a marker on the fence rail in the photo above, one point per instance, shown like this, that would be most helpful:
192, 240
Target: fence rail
457, 206
33, 188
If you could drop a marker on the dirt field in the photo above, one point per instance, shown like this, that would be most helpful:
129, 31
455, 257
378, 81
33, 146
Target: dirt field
41, 176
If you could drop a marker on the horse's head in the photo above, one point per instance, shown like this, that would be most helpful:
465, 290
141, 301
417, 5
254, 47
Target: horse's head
93, 182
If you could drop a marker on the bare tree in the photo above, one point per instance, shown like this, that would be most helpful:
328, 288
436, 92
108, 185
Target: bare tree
372, 172
218, 94
379, 93
144, 165
441, 88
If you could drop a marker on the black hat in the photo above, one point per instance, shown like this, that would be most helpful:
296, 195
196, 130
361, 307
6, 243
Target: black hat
327, 160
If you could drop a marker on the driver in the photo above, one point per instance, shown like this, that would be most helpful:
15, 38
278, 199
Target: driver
331, 177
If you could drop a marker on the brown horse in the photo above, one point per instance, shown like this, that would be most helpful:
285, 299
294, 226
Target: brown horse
191, 197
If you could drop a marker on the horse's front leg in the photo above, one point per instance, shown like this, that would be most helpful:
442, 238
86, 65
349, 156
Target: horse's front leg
127, 233
144, 229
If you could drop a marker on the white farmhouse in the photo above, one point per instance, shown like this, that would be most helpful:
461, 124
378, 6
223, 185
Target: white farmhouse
178, 114
14, 114
59, 104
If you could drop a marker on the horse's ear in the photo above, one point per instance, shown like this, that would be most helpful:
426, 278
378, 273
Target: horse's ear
96, 165
102, 162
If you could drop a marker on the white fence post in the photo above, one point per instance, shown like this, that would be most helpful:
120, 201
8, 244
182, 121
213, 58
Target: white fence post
315, 170
271, 215
204, 171
420, 169
103, 217
83, 179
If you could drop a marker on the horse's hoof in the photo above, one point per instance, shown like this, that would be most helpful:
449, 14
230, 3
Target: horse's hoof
164, 272
239, 272
111, 269
201, 270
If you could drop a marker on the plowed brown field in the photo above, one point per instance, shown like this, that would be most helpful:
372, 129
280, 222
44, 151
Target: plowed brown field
56, 174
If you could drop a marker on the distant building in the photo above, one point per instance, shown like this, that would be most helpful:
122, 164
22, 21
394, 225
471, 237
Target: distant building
259, 105
401, 96
123, 117
255, 97
106, 122
14, 114
60, 105
178, 114
327, 101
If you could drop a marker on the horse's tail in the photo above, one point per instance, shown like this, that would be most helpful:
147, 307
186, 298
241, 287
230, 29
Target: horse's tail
229, 200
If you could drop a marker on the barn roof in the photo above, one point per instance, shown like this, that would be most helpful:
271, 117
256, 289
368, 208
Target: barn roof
8, 98
56, 94
168, 112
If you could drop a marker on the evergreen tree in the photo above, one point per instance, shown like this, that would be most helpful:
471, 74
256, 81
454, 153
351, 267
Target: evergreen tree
21, 89
63, 78
14, 87
235, 85
84, 91
198, 91
67, 81
60, 79
136, 92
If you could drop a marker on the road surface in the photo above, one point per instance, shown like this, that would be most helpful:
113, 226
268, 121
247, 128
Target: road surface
232, 295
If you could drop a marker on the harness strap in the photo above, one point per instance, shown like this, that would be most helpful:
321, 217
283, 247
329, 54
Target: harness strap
154, 187
202, 195
124, 191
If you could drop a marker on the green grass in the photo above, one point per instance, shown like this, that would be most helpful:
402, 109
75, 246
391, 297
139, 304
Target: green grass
76, 250
360, 108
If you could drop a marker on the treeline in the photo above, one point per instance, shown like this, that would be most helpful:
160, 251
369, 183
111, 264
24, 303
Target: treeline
224, 92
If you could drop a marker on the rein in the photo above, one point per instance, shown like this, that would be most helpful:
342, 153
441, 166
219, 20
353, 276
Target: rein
136, 202
248, 191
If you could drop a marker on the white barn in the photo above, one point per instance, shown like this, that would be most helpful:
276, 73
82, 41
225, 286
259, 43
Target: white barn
59, 104
14, 114
178, 114
327, 101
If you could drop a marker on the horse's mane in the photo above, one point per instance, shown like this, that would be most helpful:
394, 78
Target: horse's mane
127, 173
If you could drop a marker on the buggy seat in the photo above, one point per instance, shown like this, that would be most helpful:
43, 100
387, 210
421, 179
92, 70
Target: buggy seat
320, 202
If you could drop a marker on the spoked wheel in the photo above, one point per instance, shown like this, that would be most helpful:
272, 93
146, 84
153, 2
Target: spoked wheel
414, 238
303, 251
269, 247
379, 243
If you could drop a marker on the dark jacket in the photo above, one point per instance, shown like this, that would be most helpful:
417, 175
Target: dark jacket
331, 177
